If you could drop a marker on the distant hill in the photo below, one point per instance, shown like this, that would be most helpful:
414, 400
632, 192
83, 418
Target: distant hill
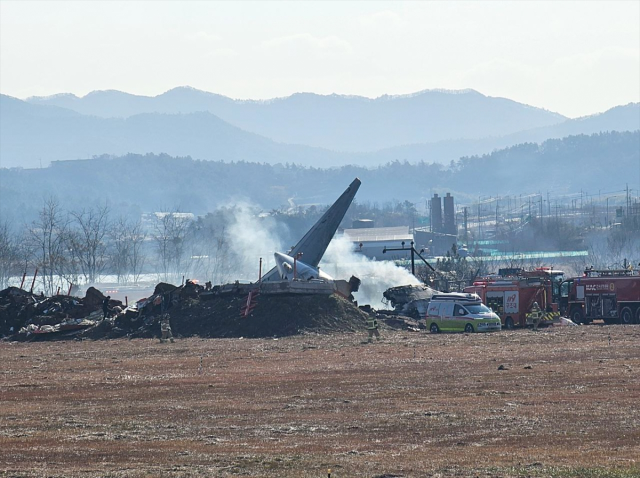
335, 122
137, 183
36, 134
619, 118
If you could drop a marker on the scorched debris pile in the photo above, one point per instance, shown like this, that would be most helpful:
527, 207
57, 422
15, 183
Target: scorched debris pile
193, 311
27, 314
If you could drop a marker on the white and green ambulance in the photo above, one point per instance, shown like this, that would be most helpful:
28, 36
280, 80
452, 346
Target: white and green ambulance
460, 312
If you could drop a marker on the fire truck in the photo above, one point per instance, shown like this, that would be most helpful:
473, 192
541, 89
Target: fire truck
610, 295
512, 292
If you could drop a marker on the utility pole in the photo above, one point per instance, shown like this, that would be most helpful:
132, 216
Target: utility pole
541, 210
548, 205
466, 230
413, 254
479, 228
627, 213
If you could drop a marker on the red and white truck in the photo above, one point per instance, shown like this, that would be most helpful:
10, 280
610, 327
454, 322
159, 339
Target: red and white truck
609, 295
511, 295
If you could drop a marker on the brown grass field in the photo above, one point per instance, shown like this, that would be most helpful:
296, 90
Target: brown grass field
565, 403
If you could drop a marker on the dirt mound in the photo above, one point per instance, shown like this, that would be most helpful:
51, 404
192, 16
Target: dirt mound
164, 288
272, 316
192, 313
93, 297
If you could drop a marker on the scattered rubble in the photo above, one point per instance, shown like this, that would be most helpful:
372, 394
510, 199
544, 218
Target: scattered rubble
26, 315
411, 300
230, 310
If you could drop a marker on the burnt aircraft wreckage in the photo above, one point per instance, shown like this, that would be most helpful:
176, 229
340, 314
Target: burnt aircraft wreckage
314, 243
295, 279
297, 271
290, 268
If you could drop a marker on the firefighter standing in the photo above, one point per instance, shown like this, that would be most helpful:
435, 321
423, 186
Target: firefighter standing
165, 328
535, 315
105, 306
372, 327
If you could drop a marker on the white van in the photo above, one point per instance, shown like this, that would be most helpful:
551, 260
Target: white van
460, 312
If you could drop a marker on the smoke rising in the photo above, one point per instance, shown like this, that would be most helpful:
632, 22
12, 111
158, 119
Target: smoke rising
341, 262
252, 237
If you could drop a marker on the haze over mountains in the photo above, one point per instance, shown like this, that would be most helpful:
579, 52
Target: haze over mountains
340, 123
306, 129
133, 184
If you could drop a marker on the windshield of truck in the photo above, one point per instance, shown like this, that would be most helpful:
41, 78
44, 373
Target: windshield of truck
478, 309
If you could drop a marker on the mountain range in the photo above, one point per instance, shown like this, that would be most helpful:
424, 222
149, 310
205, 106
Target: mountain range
305, 129
335, 122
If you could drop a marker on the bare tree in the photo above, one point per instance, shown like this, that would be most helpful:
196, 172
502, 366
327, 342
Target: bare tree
127, 254
137, 256
597, 248
9, 254
221, 267
210, 251
170, 232
620, 244
120, 250
47, 236
88, 240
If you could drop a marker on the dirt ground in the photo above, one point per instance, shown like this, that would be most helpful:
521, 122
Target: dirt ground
559, 402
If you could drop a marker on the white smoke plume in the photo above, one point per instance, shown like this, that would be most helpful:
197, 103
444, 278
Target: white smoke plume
341, 262
251, 238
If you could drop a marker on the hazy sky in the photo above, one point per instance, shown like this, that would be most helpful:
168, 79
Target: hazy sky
576, 58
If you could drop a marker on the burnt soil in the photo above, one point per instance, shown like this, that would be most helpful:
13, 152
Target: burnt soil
191, 314
560, 402
273, 315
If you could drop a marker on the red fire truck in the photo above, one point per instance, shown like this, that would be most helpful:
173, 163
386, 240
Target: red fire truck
512, 294
610, 295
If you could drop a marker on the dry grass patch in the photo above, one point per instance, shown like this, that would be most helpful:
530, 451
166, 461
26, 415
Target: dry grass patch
561, 402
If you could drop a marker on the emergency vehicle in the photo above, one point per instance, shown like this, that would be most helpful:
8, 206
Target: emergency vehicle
610, 295
511, 295
458, 312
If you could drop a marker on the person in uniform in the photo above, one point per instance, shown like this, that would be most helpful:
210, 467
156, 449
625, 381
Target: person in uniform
165, 328
372, 327
105, 306
535, 315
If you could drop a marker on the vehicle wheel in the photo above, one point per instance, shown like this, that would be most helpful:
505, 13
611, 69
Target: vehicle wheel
508, 323
576, 316
468, 328
434, 329
638, 316
626, 316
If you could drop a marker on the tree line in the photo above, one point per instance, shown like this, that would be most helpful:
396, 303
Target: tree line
136, 183
84, 245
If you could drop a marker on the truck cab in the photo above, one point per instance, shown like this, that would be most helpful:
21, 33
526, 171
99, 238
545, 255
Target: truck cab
512, 292
610, 295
